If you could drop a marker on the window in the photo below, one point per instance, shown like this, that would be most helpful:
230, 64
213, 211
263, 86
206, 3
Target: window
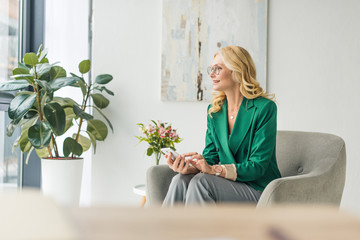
9, 45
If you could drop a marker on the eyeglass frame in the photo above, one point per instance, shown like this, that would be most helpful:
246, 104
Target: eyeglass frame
215, 69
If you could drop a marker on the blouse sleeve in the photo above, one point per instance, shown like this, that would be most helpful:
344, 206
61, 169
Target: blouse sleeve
210, 152
262, 147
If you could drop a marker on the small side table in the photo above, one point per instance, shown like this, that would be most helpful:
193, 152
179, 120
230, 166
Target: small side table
141, 190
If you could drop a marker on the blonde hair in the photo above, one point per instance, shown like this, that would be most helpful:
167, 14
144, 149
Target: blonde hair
239, 61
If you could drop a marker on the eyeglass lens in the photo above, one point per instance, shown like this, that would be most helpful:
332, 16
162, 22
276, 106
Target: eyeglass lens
216, 70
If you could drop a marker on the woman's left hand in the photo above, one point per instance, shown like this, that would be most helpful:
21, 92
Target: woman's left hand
199, 162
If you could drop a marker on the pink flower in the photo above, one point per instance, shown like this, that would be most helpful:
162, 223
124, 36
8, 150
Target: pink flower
162, 130
174, 136
150, 129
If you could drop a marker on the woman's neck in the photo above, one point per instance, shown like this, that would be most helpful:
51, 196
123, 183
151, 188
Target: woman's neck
234, 100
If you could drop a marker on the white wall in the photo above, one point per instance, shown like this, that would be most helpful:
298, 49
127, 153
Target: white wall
314, 69
313, 66
127, 45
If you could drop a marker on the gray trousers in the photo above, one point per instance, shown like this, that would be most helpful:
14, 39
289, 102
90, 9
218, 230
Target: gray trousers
201, 189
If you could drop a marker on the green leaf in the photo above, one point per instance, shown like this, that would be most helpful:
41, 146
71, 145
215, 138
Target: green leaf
57, 72
84, 66
44, 84
43, 152
14, 85
98, 129
99, 100
24, 124
31, 59
102, 88
25, 76
62, 82
43, 54
149, 151
39, 50
19, 76
69, 116
103, 78
83, 141
28, 155
44, 60
82, 86
22, 65
40, 135
76, 76
81, 114
45, 99
64, 102
93, 140
24, 92
20, 70
107, 120
20, 105
55, 115
71, 146
24, 142
11, 128
42, 69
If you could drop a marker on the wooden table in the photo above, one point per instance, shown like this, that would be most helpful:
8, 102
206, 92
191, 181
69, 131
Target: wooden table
222, 222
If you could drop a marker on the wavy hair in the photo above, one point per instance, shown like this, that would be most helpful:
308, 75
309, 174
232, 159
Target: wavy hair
239, 61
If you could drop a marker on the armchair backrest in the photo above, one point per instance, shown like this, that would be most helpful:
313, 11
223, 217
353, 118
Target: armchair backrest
304, 152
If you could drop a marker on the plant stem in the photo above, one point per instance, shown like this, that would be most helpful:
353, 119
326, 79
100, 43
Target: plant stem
55, 146
83, 106
37, 92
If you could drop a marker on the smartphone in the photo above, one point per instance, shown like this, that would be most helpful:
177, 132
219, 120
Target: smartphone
167, 151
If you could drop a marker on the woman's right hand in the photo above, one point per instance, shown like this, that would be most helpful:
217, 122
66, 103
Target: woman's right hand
179, 165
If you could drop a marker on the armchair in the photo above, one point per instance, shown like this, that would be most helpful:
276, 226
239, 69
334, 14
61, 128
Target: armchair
312, 166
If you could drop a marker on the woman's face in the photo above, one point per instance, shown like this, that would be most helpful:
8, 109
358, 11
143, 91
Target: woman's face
223, 80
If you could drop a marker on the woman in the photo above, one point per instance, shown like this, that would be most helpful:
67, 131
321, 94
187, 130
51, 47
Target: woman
239, 156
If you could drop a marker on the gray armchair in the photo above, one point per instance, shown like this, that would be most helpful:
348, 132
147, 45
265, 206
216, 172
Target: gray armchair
312, 166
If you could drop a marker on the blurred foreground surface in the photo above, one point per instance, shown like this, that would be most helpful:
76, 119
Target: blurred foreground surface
223, 222
29, 215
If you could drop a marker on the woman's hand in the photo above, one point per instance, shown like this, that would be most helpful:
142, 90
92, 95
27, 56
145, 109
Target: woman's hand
199, 162
179, 165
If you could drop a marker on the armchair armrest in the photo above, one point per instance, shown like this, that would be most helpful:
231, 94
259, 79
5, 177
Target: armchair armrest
158, 179
318, 186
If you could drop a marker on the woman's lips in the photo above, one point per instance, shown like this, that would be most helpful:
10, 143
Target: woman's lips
216, 81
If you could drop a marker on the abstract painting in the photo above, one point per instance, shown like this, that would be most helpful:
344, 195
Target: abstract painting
194, 30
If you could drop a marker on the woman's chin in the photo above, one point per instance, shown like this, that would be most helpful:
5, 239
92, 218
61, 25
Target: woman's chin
216, 88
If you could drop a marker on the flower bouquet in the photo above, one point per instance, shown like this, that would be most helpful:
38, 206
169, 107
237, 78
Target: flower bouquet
158, 135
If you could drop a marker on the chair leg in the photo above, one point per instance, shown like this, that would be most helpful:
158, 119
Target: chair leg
143, 201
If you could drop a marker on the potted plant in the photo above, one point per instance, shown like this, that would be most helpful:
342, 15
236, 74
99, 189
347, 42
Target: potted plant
158, 135
43, 117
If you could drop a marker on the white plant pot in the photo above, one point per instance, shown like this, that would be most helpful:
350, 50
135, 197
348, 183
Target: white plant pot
61, 179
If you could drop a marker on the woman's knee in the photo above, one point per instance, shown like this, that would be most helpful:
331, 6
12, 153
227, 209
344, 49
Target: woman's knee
181, 180
199, 190
200, 179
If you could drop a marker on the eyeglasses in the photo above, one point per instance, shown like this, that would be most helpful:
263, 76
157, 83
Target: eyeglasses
215, 69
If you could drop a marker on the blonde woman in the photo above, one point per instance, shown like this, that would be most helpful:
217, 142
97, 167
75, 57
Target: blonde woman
239, 156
